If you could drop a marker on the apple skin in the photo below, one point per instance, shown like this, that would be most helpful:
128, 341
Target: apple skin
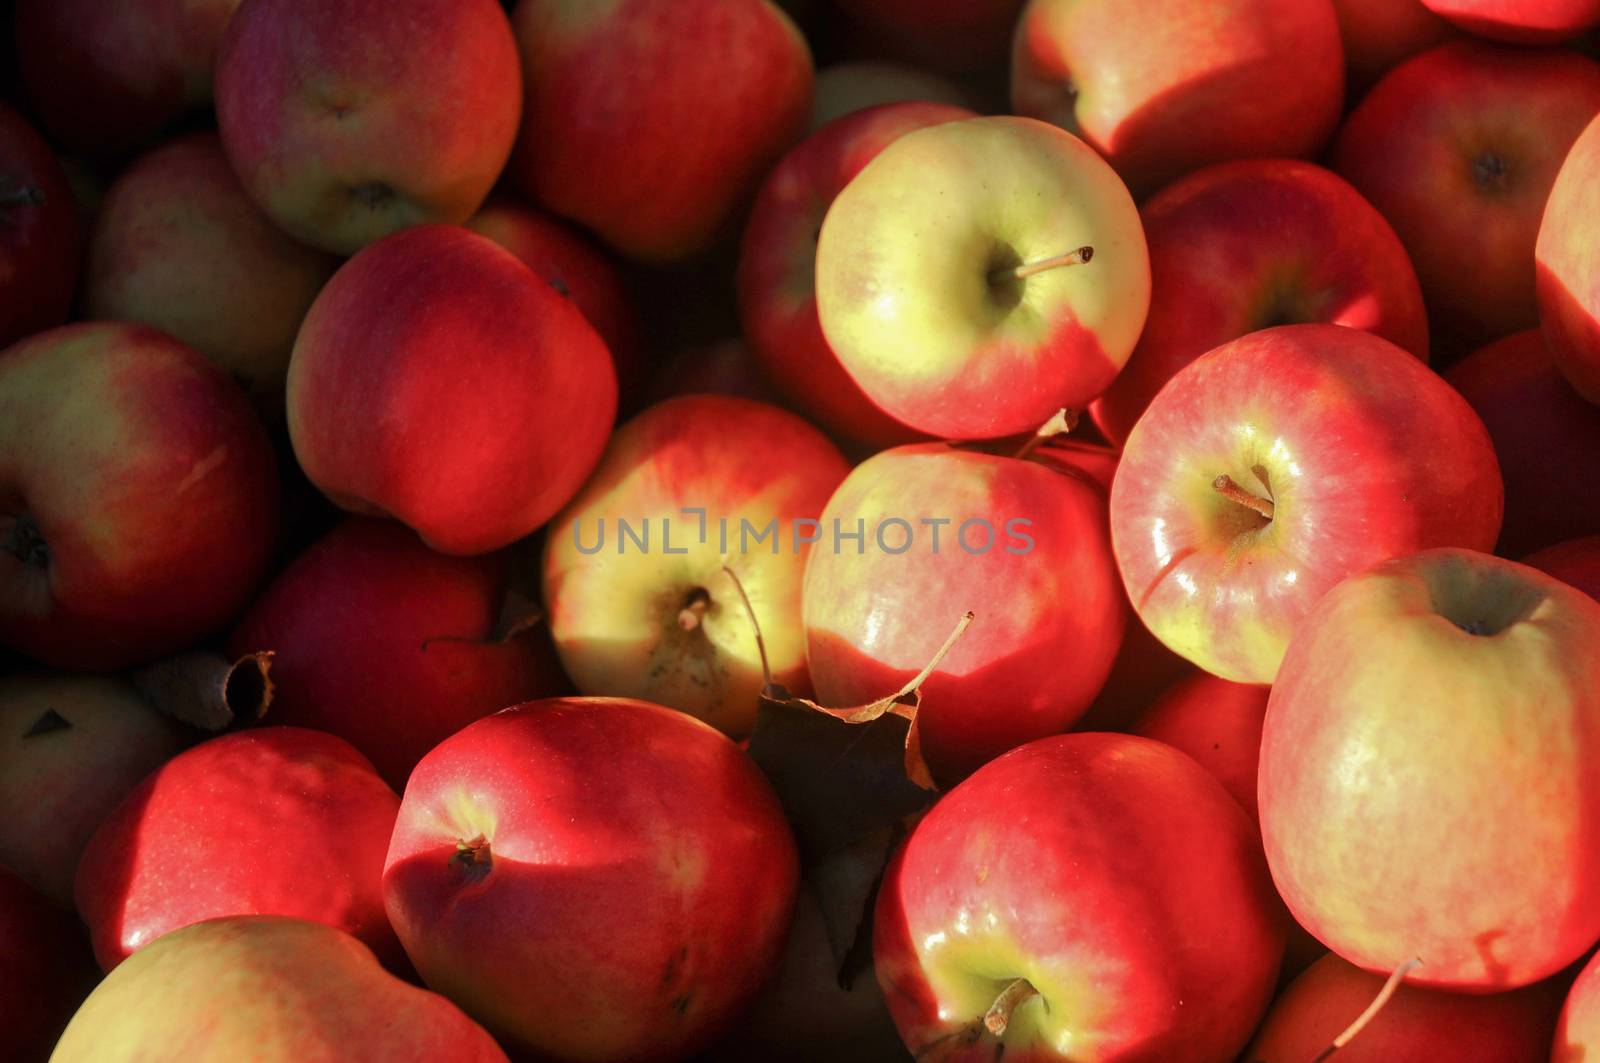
1568, 277
177, 245
348, 120
285, 820
1465, 758
725, 367
38, 233
1575, 562
141, 496
1216, 722
1415, 1026
615, 611
62, 774
1578, 1029
1521, 21
439, 381
1546, 437
1378, 35
379, 640
107, 78
955, 35
1143, 80
1114, 874
904, 289
1027, 667
1458, 147
844, 88
1367, 453
634, 882
272, 990
777, 285
45, 970
1242, 246
651, 121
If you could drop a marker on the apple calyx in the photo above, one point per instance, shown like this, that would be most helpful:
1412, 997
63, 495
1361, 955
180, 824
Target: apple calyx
373, 196
1390, 987
694, 609
1225, 486
25, 196
1062, 422
473, 858
1492, 173
25, 542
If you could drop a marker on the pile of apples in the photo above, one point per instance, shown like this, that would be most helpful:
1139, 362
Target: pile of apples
849, 530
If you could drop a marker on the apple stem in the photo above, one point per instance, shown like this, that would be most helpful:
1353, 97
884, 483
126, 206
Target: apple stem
694, 610
1062, 422
1389, 989
922, 676
26, 196
1225, 487
1076, 257
998, 1017
761, 643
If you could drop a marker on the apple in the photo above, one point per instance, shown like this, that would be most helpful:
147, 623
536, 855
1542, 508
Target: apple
1415, 1026
725, 367
178, 245
959, 35
1521, 21
972, 301
1568, 278
1448, 703
777, 286
1243, 246
1162, 87
1087, 897
1546, 436
272, 990
138, 496
592, 878
650, 121
272, 821
641, 603
45, 970
1216, 722
439, 381
1278, 464
107, 78
71, 748
390, 646
38, 232
1380, 34
1458, 147
844, 88
347, 120
1578, 1030
1018, 539
1575, 562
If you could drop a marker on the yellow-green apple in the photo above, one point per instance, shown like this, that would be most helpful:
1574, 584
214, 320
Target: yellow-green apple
347, 120
1380, 34
45, 970
179, 246
1087, 897
1578, 1029
1426, 781
1458, 147
1521, 21
71, 748
1575, 562
268, 989
650, 121
1416, 1025
636, 568
1568, 267
960, 35
138, 496
571, 264
391, 646
945, 531
439, 381
106, 78
1216, 722
777, 279
1144, 81
38, 232
844, 88
1278, 464
1546, 437
592, 878
284, 820
973, 301
1242, 246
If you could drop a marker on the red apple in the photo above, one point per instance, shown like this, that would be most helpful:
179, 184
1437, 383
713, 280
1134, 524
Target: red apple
350, 119
1015, 540
1546, 436
1575, 562
275, 821
777, 266
1521, 21
844, 88
1216, 722
439, 381
1458, 147
636, 568
650, 121
1568, 281
271, 990
38, 232
1578, 1030
178, 245
1380, 34
723, 368
1162, 87
1099, 895
1246, 245
948, 34
1275, 466
138, 496
1426, 779
45, 970
592, 878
